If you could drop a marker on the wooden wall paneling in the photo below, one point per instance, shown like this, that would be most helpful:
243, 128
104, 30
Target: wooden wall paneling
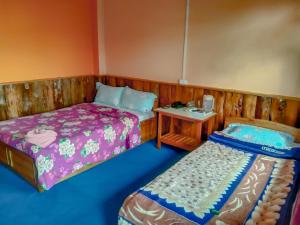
77, 90
154, 88
111, 81
27, 99
219, 97
249, 106
233, 104
67, 100
21, 99
40, 98
120, 82
198, 96
128, 82
14, 103
186, 94
263, 108
101, 79
165, 94
284, 111
147, 86
3, 108
89, 84
58, 94
138, 85
291, 113
228, 103
278, 110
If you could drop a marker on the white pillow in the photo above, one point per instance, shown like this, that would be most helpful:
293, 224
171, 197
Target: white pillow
137, 100
108, 95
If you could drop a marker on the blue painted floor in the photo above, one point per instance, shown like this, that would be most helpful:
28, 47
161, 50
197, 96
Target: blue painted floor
91, 198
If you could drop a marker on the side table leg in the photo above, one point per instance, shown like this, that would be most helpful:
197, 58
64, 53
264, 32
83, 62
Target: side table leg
210, 126
159, 130
198, 132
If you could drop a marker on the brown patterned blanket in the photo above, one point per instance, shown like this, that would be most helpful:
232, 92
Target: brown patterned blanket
216, 184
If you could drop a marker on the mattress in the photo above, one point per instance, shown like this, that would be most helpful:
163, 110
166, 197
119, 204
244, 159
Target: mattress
223, 182
86, 133
141, 115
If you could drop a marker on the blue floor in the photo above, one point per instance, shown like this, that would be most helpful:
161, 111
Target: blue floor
91, 198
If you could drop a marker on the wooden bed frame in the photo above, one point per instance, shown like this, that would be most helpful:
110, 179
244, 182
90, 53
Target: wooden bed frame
24, 165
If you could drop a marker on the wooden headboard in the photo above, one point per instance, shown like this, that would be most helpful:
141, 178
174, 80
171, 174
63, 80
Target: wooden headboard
266, 124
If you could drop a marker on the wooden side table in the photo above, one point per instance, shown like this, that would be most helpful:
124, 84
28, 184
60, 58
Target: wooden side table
182, 141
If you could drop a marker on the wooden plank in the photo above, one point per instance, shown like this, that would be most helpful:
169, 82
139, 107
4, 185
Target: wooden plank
249, 106
147, 86
138, 85
58, 94
67, 100
198, 96
219, 109
154, 88
13, 96
233, 104
291, 113
186, 94
278, 110
111, 81
120, 82
26, 98
285, 111
89, 85
3, 105
165, 94
263, 108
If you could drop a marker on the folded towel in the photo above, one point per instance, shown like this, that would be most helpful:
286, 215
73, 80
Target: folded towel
41, 137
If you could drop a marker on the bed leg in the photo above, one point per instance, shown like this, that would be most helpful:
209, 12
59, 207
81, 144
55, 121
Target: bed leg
40, 189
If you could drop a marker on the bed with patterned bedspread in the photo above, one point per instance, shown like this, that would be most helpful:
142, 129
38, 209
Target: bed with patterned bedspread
86, 133
225, 181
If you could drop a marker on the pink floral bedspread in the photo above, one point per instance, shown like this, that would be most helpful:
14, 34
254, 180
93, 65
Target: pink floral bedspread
86, 133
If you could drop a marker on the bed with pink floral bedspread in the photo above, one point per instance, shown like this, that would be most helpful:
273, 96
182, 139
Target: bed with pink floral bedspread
86, 133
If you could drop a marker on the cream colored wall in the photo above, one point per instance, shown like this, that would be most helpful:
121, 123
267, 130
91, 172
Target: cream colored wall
144, 38
245, 45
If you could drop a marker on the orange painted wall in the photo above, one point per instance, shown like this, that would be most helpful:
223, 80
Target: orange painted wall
47, 39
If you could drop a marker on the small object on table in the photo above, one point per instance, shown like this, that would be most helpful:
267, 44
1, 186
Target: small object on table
190, 104
183, 141
178, 105
166, 106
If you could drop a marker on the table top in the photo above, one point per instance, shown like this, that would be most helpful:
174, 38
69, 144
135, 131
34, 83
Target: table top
186, 114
